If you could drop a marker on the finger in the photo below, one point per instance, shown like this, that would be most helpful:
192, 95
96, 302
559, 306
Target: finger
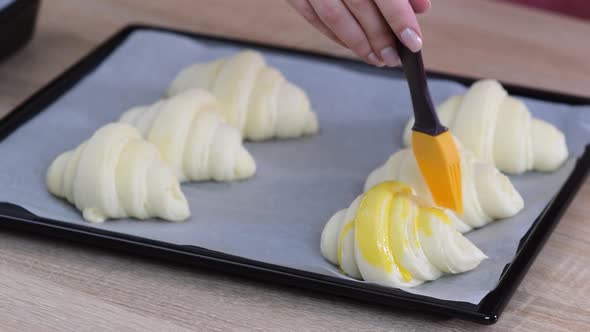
376, 29
304, 9
420, 6
338, 18
401, 18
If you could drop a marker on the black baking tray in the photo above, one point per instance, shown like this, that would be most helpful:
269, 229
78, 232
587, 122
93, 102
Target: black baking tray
486, 312
17, 24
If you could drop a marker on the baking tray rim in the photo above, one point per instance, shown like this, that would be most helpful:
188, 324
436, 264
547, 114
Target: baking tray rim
486, 312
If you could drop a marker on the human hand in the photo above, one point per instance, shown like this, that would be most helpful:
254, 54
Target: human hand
367, 27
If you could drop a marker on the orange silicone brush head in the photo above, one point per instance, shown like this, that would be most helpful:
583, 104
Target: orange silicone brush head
440, 164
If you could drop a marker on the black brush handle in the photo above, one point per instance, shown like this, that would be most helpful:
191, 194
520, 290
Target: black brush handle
425, 114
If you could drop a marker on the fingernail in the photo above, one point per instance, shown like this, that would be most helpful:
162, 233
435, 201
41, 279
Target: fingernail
411, 39
372, 58
389, 55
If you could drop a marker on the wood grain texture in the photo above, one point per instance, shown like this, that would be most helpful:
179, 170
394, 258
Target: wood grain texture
47, 284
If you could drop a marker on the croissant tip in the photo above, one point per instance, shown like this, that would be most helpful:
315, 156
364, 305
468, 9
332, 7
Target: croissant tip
177, 208
312, 125
245, 164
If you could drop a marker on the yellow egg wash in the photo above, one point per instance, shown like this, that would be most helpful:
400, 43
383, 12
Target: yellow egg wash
423, 221
418, 204
373, 223
424, 215
440, 214
415, 228
398, 240
345, 231
405, 243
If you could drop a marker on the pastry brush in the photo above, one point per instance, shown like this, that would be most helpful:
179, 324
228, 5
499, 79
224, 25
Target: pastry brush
432, 143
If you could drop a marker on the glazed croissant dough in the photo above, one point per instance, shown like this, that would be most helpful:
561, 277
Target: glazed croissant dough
500, 129
255, 98
193, 137
388, 236
487, 194
117, 174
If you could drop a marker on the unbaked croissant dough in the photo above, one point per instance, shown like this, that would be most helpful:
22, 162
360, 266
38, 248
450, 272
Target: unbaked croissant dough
389, 236
117, 174
193, 137
487, 194
256, 98
500, 129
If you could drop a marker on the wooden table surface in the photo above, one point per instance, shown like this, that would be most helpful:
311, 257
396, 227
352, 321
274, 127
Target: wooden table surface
47, 284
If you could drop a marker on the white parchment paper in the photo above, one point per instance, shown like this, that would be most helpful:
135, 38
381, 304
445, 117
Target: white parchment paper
276, 217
